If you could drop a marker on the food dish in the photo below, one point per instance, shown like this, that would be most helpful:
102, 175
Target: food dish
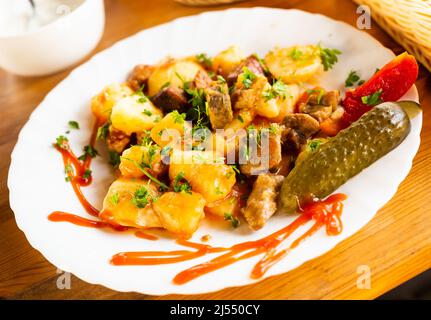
125, 125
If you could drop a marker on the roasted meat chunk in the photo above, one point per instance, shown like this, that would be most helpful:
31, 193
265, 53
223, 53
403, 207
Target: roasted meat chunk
274, 155
202, 80
117, 140
320, 104
251, 63
219, 106
139, 76
298, 127
171, 98
262, 202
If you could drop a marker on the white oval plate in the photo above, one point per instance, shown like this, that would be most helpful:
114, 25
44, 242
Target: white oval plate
36, 175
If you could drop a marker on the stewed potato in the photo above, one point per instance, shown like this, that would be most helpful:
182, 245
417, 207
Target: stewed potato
134, 114
129, 203
226, 61
170, 129
101, 104
255, 94
138, 158
211, 178
180, 212
172, 73
294, 64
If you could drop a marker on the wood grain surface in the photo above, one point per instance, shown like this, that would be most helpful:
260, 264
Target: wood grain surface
396, 244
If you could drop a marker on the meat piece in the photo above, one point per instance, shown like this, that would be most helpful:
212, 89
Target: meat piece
202, 80
139, 76
219, 106
321, 104
251, 62
117, 140
304, 123
275, 156
328, 98
171, 98
298, 127
262, 202
318, 112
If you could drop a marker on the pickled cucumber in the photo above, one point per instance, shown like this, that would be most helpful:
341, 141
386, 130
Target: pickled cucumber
355, 148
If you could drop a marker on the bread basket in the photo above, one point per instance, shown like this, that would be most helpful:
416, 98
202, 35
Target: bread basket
408, 22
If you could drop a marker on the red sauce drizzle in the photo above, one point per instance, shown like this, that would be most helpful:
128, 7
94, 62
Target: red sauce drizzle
323, 212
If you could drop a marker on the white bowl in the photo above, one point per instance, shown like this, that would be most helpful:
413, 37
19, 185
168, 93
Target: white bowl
57, 45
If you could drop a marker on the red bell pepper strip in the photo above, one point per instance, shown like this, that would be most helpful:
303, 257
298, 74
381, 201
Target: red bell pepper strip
388, 84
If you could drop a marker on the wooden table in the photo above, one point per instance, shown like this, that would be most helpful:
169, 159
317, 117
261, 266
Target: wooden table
396, 244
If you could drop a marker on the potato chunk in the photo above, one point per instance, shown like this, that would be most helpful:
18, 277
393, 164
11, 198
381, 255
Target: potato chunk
180, 212
213, 180
295, 64
255, 96
170, 129
102, 104
129, 203
287, 103
172, 72
226, 61
138, 158
262, 203
134, 114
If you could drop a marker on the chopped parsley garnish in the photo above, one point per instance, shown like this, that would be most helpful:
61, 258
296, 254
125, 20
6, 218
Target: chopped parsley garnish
314, 145
328, 57
181, 184
114, 199
273, 129
320, 93
146, 138
102, 132
296, 54
147, 112
114, 158
278, 89
352, 79
142, 98
230, 217
241, 119
68, 170
167, 84
61, 142
248, 77
220, 79
178, 117
141, 197
254, 134
377, 70
373, 99
235, 168
87, 174
204, 60
144, 170
73, 125
89, 151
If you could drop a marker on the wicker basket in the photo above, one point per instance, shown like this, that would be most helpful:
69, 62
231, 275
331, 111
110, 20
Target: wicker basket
206, 2
408, 22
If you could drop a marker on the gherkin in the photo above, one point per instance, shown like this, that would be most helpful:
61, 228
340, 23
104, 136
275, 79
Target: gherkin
355, 148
